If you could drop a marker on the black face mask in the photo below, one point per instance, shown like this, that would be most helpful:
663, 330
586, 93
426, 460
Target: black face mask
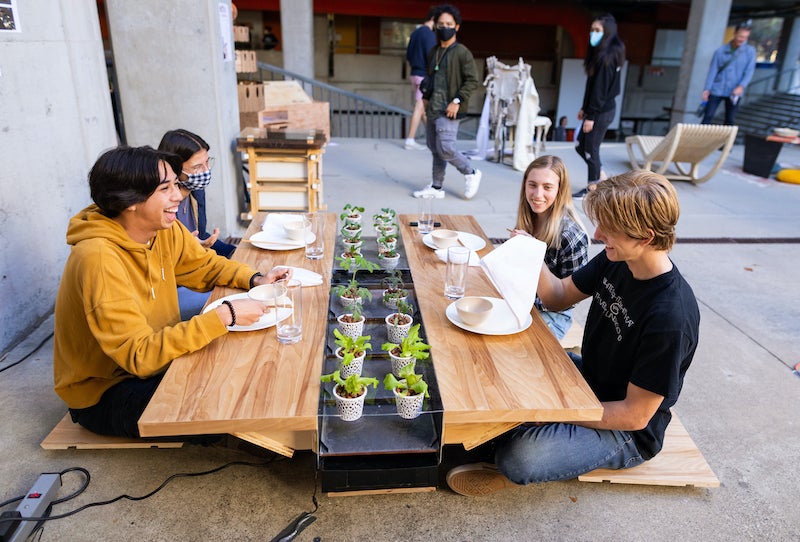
445, 33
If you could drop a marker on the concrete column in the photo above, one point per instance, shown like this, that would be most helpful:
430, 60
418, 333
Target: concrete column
55, 119
297, 29
791, 53
176, 68
705, 32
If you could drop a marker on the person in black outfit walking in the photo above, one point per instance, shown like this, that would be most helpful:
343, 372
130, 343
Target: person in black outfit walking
603, 65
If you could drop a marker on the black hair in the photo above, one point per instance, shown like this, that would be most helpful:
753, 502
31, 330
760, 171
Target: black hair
183, 143
447, 8
610, 50
431, 14
125, 176
744, 25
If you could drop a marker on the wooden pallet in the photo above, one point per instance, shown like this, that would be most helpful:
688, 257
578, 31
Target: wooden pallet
66, 435
680, 463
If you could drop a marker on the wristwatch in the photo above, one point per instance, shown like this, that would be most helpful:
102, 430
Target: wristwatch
457, 101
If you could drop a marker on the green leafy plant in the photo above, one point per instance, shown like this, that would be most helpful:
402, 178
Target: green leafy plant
353, 386
355, 314
387, 253
409, 383
387, 239
350, 211
349, 347
411, 346
404, 308
350, 237
352, 290
388, 212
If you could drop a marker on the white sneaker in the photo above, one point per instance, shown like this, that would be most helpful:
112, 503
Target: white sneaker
411, 145
429, 190
473, 181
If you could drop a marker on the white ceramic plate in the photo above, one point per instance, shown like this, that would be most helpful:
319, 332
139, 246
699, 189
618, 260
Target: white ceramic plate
469, 240
500, 322
268, 320
274, 240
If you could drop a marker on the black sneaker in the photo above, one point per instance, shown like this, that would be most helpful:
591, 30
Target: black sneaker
580, 193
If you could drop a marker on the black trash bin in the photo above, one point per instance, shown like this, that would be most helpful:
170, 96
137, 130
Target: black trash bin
760, 155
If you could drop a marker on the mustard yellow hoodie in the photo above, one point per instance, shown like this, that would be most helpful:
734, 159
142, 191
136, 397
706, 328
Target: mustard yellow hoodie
117, 312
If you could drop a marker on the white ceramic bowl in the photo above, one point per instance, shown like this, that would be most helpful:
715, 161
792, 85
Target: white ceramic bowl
473, 311
295, 229
786, 132
264, 293
444, 238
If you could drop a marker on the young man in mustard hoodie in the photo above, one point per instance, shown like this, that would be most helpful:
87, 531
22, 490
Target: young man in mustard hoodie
117, 321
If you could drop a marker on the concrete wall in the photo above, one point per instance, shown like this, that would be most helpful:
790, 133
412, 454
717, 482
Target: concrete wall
172, 74
55, 119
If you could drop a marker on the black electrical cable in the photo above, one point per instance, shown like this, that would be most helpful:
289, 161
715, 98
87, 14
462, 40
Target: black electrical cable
128, 497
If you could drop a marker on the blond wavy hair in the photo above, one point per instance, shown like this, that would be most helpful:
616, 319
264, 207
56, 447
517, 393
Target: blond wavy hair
562, 206
638, 204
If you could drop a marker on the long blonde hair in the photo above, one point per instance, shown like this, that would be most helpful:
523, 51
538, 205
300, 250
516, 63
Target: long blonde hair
562, 206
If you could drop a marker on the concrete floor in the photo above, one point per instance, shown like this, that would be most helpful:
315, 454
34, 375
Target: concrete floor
740, 400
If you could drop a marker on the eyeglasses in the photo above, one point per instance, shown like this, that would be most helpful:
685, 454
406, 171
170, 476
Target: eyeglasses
201, 167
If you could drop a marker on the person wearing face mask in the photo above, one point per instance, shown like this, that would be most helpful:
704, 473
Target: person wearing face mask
195, 176
451, 80
603, 66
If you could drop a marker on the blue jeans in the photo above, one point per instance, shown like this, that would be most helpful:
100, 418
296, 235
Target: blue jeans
441, 134
562, 451
558, 322
713, 104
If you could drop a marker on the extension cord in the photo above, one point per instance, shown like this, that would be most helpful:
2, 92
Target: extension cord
35, 504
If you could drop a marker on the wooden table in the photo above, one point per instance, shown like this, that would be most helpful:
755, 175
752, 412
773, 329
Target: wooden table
490, 384
248, 385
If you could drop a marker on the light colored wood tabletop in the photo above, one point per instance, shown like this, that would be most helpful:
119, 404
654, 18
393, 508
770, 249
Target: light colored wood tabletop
490, 384
245, 383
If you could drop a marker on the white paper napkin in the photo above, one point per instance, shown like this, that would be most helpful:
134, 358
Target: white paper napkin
306, 276
514, 268
474, 260
275, 221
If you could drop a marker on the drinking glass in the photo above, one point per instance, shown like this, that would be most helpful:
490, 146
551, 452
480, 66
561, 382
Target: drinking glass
315, 244
289, 310
425, 219
455, 281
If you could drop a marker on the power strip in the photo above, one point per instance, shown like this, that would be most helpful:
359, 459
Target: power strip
35, 504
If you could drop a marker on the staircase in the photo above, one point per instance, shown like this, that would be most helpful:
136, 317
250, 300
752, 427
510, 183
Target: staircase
762, 115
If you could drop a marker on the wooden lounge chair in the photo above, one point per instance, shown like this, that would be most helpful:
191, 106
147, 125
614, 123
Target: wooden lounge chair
685, 147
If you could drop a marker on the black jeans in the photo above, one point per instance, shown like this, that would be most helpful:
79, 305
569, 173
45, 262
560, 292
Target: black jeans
119, 408
589, 144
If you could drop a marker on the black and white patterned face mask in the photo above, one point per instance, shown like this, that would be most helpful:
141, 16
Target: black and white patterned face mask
196, 181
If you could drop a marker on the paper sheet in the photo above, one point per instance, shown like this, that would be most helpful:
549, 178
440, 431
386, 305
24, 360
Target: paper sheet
514, 268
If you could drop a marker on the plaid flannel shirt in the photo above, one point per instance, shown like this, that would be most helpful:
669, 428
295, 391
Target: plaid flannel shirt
571, 254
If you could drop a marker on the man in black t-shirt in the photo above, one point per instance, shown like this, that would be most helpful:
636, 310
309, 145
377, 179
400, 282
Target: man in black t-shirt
641, 334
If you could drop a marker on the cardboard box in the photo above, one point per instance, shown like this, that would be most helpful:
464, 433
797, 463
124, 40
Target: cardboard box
246, 61
241, 34
285, 92
295, 117
251, 97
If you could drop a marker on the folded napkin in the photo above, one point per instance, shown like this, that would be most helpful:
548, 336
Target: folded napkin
514, 268
306, 276
474, 260
275, 221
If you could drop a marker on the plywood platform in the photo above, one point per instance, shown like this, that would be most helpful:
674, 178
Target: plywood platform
680, 463
66, 435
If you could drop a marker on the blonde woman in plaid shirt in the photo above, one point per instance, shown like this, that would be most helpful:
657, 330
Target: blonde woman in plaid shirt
546, 212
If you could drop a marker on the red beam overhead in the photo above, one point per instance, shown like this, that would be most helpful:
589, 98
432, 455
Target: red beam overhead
574, 19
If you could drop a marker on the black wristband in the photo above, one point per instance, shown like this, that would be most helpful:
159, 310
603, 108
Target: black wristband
233, 313
253, 279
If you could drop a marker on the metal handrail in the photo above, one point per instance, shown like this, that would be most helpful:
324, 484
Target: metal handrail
352, 115
771, 82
